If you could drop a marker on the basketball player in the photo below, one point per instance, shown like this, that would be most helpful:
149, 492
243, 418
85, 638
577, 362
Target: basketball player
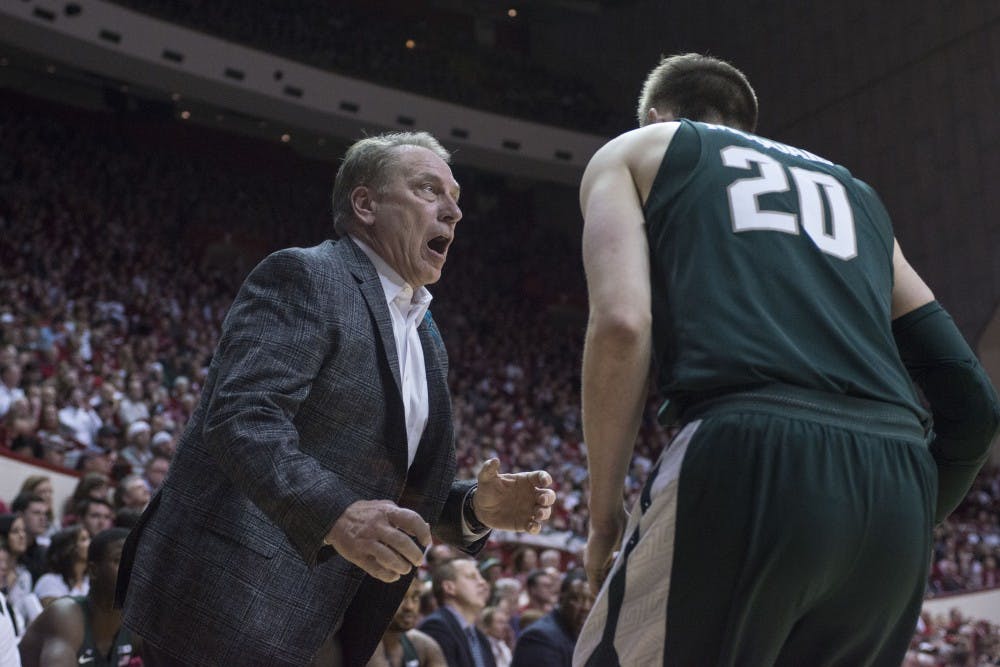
789, 522
85, 630
402, 644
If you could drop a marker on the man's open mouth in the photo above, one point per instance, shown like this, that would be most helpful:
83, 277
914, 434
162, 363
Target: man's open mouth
439, 244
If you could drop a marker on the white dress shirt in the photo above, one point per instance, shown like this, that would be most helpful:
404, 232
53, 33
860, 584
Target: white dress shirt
407, 308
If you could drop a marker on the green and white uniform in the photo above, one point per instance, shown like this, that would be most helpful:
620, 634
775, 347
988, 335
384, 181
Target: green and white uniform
797, 499
122, 649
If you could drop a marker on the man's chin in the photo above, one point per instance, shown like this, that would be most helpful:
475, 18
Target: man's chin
402, 627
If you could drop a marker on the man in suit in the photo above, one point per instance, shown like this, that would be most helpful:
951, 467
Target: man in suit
461, 593
305, 488
551, 639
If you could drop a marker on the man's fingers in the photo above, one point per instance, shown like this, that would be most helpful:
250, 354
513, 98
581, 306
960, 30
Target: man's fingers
489, 470
382, 574
546, 497
404, 545
389, 559
410, 523
542, 514
541, 478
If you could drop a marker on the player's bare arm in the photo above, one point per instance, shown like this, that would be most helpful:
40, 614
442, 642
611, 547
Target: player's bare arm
617, 347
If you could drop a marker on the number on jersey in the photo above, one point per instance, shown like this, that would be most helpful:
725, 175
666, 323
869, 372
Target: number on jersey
812, 187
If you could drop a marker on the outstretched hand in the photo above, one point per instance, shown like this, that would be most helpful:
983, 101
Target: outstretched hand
381, 538
513, 501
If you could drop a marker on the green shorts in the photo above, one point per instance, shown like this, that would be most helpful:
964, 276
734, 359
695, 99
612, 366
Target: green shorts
780, 527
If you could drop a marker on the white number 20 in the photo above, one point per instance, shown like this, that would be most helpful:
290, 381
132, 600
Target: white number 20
841, 242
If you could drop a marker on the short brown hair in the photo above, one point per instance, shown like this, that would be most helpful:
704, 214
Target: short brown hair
699, 87
369, 161
445, 572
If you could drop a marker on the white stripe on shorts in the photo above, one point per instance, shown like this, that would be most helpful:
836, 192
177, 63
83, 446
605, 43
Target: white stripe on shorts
641, 630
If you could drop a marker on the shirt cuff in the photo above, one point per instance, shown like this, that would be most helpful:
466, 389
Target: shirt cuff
468, 532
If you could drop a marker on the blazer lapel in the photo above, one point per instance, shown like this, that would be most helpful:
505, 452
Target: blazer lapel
463, 641
371, 289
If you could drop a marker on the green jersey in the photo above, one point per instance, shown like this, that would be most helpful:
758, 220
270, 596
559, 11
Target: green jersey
769, 265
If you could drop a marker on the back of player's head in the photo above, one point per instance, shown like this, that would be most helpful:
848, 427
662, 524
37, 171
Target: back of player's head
98, 549
701, 88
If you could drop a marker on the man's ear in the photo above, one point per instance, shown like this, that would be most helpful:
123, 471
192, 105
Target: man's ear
448, 587
364, 205
654, 116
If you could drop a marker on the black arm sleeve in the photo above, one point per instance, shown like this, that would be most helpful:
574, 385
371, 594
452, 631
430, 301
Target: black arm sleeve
962, 399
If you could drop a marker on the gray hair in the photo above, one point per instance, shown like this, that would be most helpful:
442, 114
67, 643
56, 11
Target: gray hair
371, 162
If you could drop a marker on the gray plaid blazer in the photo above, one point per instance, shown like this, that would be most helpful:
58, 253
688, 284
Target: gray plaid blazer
301, 415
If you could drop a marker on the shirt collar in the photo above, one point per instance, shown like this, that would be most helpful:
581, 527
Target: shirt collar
458, 617
393, 284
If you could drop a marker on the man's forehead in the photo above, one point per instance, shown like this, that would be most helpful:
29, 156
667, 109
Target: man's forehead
465, 566
413, 160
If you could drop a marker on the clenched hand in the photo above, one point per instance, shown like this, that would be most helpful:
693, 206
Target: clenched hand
378, 536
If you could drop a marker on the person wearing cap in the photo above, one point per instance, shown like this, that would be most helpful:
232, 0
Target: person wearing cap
137, 452
163, 444
491, 569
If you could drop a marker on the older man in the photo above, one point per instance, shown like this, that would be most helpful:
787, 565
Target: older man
307, 483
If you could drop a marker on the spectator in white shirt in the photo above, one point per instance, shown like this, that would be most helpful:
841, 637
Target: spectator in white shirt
78, 420
10, 379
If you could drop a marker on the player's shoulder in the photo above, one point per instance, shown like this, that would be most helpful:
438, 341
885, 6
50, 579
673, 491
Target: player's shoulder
420, 638
63, 620
428, 649
638, 152
628, 147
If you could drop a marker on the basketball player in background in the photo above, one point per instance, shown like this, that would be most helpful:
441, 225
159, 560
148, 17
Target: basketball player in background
402, 644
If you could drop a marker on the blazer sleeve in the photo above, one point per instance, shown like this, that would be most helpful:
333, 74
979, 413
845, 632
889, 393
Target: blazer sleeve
275, 339
449, 527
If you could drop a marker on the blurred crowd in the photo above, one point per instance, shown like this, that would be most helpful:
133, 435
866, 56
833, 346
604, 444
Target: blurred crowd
453, 56
122, 244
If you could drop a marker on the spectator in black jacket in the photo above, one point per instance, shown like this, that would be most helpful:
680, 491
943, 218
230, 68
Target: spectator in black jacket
550, 640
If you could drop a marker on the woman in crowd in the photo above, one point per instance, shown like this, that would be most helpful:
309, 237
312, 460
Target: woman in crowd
67, 559
15, 582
